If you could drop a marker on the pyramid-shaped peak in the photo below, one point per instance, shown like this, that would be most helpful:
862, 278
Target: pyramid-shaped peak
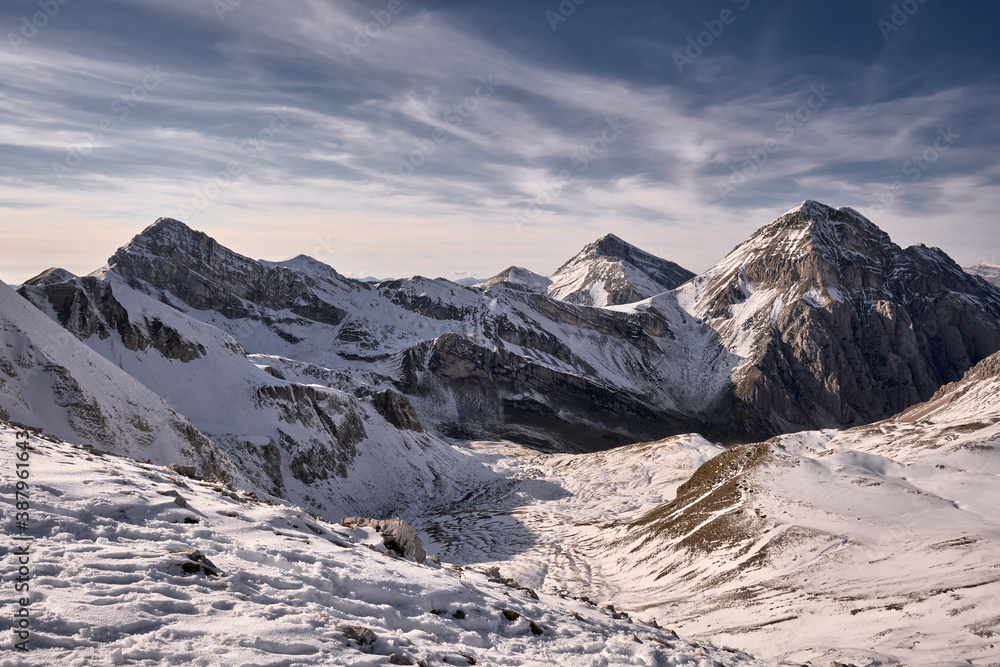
611, 272
613, 246
168, 226
50, 276
165, 233
172, 240
811, 206
518, 275
813, 214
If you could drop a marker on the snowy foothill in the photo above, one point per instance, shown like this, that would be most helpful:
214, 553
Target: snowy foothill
873, 545
133, 564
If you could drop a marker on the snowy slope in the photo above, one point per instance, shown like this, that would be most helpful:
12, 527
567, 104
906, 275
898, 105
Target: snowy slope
988, 272
298, 440
51, 380
610, 272
115, 580
875, 544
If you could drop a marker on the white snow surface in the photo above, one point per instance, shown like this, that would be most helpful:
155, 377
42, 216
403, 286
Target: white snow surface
51, 379
108, 585
875, 545
988, 272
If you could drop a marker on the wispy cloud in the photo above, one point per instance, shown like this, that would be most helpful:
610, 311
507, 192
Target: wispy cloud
355, 123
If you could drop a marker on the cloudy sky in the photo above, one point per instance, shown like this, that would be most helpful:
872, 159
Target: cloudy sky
400, 137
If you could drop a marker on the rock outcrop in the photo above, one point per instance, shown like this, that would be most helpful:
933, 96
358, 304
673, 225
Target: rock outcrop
397, 410
87, 307
399, 536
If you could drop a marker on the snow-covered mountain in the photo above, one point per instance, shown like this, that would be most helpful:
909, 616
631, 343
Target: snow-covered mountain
515, 275
611, 272
50, 380
988, 272
499, 362
834, 324
804, 325
339, 453
873, 545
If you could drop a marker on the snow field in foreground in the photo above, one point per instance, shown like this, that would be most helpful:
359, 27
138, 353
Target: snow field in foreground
114, 582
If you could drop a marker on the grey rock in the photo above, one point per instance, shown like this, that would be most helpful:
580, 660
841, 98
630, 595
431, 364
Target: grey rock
360, 634
895, 324
398, 535
178, 499
397, 410
185, 471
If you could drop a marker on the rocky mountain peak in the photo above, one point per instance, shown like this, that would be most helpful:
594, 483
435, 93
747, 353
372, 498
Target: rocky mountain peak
831, 232
519, 276
812, 244
50, 276
169, 256
610, 272
168, 238
612, 246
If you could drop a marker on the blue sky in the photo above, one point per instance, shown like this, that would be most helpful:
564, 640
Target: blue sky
397, 137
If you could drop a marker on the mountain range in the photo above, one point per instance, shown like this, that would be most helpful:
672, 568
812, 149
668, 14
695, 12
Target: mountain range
817, 320
817, 354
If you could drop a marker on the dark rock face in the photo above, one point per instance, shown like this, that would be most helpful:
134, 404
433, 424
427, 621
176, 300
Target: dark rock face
400, 537
205, 275
396, 409
500, 392
864, 328
87, 306
270, 457
321, 411
397, 292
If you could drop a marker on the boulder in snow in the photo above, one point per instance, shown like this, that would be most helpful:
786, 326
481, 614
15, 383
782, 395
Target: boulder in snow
398, 535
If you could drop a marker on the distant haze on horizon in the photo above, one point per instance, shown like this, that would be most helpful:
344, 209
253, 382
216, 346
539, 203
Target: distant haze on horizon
392, 138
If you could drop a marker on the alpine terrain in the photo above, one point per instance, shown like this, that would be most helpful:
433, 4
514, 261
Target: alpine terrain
235, 461
988, 272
